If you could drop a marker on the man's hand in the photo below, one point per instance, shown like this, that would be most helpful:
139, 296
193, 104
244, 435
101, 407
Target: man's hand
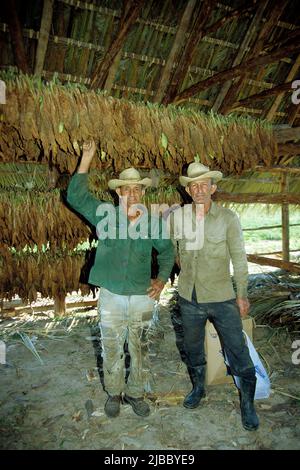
89, 150
243, 305
155, 290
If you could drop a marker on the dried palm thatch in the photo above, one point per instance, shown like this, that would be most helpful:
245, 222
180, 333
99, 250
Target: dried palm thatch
275, 299
52, 275
50, 121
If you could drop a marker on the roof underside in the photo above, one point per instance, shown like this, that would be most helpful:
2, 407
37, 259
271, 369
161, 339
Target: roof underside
180, 43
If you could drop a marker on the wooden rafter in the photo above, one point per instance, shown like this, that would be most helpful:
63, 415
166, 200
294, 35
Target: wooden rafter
291, 75
288, 134
263, 36
278, 169
289, 149
233, 72
197, 32
253, 198
292, 113
176, 49
131, 11
43, 36
233, 14
287, 86
252, 30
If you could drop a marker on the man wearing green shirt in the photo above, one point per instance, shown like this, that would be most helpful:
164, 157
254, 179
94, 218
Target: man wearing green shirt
122, 269
206, 291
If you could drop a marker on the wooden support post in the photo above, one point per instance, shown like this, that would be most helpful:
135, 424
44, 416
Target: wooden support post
285, 222
43, 36
60, 305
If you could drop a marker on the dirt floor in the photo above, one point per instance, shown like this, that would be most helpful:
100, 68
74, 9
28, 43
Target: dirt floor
59, 404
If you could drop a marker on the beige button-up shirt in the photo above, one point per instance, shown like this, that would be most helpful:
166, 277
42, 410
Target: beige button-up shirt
208, 268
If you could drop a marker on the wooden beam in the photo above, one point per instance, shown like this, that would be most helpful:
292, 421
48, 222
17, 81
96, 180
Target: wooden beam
43, 36
254, 198
277, 169
242, 50
286, 265
233, 72
287, 134
287, 86
263, 34
292, 113
16, 35
128, 18
291, 75
197, 32
176, 49
268, 227
233, 14
285, 220
112, 72
289, 149
8, 309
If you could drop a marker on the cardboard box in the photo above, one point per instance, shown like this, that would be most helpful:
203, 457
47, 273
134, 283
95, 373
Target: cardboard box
216, 372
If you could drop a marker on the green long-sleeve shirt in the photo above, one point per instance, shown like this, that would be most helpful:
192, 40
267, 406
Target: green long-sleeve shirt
122, 265
208, 269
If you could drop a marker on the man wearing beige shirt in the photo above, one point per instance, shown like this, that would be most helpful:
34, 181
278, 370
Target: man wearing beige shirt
206, 291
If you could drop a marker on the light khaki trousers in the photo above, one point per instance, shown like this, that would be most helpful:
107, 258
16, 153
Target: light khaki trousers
122, 318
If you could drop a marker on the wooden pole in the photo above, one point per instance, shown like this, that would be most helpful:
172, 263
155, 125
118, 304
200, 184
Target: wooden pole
255, 198
43, 36
176, 49
285, 221
60, 305
277, 263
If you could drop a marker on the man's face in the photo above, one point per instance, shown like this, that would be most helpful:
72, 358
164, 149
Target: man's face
133, 193
201, 190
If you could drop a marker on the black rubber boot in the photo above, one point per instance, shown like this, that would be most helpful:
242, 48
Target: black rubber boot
197, 375
247, 390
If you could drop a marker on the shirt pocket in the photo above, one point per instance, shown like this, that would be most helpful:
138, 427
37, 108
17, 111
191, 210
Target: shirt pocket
216, 247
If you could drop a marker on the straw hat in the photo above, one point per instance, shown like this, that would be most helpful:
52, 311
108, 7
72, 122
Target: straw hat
196, 171
129, 176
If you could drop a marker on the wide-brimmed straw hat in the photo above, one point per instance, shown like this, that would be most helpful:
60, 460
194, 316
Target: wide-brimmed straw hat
129, 176
196, 171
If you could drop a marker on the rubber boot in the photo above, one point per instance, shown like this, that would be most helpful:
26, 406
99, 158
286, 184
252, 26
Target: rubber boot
247, 391
197, 375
